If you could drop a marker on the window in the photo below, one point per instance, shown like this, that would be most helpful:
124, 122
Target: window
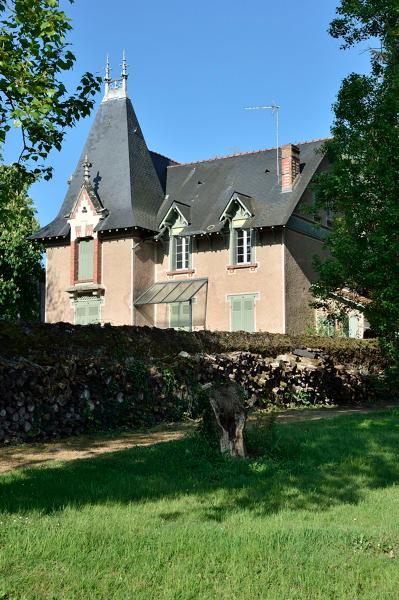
243, 246
182, 253
87, 311
242, 312
326, 326
354, 326
337, 326
85, 259
180, 317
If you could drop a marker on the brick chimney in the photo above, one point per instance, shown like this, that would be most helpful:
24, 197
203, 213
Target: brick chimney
290, 161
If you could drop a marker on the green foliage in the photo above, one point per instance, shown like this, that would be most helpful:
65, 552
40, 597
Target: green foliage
362, 186
20, 259
33, 56
46, 343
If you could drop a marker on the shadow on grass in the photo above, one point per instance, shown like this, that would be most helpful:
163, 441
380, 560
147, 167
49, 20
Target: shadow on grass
315, 466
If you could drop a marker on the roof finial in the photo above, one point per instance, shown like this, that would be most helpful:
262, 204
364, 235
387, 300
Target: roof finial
86, 169
107, 78
124, 73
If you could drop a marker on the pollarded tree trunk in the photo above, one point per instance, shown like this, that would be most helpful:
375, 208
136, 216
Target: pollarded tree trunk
230, 414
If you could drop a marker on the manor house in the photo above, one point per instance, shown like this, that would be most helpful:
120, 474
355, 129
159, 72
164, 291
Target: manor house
220, 244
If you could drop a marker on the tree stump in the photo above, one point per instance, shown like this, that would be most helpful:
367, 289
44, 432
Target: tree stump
228, 406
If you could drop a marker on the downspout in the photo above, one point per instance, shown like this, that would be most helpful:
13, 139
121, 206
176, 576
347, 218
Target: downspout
190, 314
206, 305
283, 278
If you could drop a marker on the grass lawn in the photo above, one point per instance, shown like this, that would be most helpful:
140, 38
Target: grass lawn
316, 518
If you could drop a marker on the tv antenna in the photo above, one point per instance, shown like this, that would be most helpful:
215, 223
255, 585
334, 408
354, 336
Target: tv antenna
274, 108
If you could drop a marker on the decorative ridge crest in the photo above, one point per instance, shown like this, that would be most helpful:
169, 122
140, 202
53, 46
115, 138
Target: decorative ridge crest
115, 88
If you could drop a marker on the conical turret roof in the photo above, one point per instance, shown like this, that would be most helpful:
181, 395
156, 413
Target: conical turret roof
122, 173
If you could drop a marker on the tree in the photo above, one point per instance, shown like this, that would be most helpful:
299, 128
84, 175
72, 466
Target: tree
362, 186
33, 56
20, 260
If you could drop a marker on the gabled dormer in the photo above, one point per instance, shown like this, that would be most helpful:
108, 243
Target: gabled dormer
237, 209
177, 217
242, 238
87, 210
180, 246
84, 218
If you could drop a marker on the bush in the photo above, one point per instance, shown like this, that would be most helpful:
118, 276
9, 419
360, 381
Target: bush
46, 343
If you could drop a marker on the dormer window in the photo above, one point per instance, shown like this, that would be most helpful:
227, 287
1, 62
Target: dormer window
180, 246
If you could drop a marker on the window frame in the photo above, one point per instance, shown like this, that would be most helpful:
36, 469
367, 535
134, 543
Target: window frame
181, 255
243, 249
184, 321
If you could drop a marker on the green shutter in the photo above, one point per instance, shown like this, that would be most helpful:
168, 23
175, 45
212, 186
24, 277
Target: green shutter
190, 252
87, 311
253, 245
86, 259
236, 314
80, 314
353, 326
232, 246
243, 313
172, 253
248, 320
184, 316
174, 315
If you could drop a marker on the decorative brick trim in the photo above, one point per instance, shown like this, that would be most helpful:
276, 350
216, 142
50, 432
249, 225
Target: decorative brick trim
97, 261
74, 257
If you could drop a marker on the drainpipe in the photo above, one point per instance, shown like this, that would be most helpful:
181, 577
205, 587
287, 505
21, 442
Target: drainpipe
190, 314
283, 277
134, 247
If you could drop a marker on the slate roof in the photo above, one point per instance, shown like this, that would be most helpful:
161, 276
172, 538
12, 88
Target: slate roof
130, 181
123, 173
207, 186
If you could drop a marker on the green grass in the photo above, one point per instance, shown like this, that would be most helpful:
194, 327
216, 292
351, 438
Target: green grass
316, 518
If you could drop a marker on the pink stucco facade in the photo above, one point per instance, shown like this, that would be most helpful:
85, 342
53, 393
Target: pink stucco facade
279, 278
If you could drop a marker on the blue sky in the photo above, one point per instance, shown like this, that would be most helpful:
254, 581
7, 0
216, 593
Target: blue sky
194, 66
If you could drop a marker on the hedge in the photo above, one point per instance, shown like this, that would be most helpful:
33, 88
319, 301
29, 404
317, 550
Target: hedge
45, 343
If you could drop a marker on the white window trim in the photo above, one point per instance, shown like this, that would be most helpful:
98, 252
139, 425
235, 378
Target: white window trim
247, 246
185, 253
